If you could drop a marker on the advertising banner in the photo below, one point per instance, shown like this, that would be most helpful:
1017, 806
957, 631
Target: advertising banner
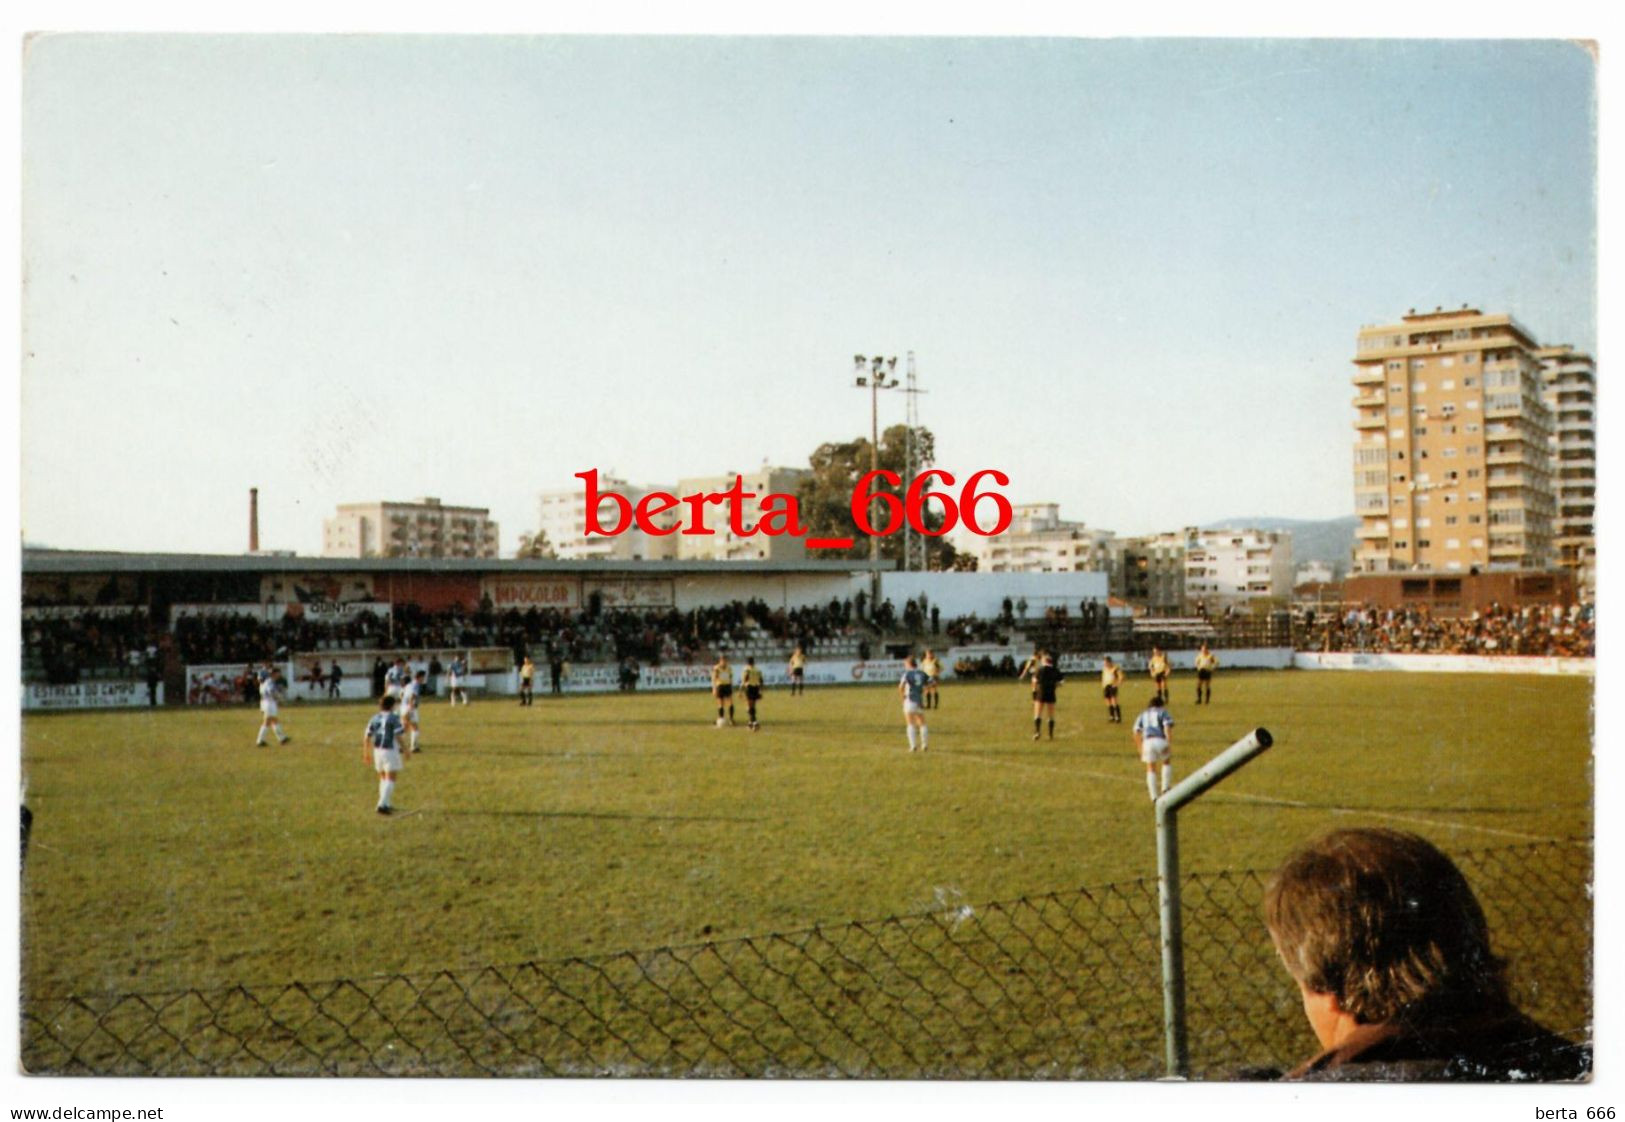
521, 591
631, 592
89, 695
604, 677
78, 612
308, 588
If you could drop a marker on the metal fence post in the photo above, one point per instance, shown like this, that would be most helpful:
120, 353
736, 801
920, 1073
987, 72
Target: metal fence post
1175, 1049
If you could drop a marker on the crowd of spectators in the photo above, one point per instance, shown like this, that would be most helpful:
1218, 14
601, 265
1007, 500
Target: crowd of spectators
63, 648
59, 650
591, 633
1552, 631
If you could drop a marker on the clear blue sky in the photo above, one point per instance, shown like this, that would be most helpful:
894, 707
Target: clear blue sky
343, 269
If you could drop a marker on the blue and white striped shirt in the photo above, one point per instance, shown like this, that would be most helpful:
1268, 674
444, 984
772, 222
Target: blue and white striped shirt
383, 729
1154, 724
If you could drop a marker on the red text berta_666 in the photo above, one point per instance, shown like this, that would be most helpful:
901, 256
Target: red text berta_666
777, 514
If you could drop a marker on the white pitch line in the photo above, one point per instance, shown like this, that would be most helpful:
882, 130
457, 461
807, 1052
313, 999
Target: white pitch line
1269, 799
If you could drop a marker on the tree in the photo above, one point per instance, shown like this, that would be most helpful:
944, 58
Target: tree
535, 547
825, 498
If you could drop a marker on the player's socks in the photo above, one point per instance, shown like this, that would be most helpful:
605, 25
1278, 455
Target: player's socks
386, 791
1052, 730
260, 739
1167, 776
1037, 724
414, 740
1151, 783
912, 742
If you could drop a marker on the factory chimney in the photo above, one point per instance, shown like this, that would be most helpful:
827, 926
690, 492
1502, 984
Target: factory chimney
253, 520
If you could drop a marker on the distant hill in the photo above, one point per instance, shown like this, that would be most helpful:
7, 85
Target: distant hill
1330, 540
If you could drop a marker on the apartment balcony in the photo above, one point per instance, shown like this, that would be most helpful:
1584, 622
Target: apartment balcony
1368, 400
1367, 375
1371, 421
1376, 531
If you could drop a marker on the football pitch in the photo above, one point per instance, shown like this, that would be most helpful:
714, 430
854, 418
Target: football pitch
169, 853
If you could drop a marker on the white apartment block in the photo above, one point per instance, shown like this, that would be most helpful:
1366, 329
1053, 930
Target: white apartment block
424, 528
722, 544
563, 518
1227, 568
1039, 541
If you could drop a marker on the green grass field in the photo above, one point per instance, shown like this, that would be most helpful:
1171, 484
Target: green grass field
169, 853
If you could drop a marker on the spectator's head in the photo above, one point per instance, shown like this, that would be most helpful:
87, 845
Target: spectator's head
1376, 925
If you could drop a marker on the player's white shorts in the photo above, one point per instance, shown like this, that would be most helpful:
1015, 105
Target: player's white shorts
268, 708
386, 759
911, 707
454, 682
410, 717
1155, 750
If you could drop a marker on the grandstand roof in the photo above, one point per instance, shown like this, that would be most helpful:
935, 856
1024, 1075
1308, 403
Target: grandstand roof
94, 561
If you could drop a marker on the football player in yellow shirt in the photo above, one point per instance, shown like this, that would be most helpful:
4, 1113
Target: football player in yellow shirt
1111, 679
798, 671
933, 670
722, 688
1159, 670
751, 679
1206, 663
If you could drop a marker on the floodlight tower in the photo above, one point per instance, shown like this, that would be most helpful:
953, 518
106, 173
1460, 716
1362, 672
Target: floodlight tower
874, 374
912, 420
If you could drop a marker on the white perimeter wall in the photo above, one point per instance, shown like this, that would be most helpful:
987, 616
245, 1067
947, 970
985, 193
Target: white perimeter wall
1443, 664
982, 594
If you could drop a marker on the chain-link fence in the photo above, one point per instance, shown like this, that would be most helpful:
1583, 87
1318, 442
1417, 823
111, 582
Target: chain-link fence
1061, 986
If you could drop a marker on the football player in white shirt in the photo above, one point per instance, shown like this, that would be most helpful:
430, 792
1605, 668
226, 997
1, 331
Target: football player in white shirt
396, 677
411, 695
457, 673
272, 690
1153, 736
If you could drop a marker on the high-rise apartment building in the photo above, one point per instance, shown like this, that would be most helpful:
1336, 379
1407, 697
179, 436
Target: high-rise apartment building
1451, 460
424, 528
1570, 379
